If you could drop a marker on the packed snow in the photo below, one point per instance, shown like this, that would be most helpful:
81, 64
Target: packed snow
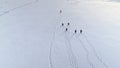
59, 34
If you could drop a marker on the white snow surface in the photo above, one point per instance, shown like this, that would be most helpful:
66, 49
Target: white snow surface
32, 35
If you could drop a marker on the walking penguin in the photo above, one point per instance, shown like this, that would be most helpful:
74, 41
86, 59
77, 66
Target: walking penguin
60, 11
68, 23
81, 31
62, 24
66, 29
75, 31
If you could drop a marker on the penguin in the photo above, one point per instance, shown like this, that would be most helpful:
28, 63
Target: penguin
66, 29
75, 31
68, 23
81, 31
60, 11
62, 24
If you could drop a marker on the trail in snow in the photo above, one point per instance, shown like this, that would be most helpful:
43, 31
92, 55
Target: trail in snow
53, 39
95, 53
87, 52
18, 7
51, 47
50, 54
72, 57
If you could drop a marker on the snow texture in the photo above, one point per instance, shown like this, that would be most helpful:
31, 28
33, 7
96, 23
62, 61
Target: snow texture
59, 34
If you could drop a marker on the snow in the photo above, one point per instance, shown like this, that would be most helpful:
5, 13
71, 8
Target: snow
32, 35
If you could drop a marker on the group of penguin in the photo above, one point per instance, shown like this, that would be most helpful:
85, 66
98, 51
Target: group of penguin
75, 31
